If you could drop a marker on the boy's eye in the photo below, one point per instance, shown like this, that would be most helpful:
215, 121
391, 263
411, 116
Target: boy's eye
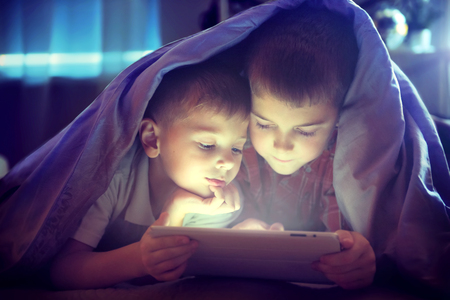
304, 133
236, 151
206, 146
261, 126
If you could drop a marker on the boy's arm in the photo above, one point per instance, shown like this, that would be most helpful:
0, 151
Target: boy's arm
78, 267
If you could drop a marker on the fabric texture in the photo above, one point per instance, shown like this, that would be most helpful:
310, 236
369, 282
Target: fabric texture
390, 174
304, 200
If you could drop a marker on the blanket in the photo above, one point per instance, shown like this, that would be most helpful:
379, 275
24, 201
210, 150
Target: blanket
390, 174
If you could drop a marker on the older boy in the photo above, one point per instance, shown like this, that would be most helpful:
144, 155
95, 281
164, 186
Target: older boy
300, 66
191, 141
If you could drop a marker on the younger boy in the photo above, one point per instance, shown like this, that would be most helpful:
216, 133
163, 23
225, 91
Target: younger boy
300, 65
191, 141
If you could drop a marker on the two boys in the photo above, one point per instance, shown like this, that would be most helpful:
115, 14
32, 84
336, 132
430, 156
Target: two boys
297, 89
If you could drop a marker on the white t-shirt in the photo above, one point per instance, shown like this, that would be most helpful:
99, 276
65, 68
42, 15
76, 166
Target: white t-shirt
124, 212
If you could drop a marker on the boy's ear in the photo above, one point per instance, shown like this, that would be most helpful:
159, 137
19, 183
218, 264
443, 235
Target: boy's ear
149, 135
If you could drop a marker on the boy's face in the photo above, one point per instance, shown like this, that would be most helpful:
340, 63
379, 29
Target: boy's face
286, 137
202, 150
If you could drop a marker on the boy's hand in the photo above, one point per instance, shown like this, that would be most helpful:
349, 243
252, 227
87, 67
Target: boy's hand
227, 196
352, 268
225, 200
256, 224
165, 258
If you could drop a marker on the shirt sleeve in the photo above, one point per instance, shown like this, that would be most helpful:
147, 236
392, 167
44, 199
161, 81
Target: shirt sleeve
99, 215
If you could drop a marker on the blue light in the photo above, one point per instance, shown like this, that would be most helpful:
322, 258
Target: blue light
75, 58
11, 60
130, 57
37, 59
71, 65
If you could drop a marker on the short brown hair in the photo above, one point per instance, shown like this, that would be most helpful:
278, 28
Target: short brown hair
305, 53
208, 85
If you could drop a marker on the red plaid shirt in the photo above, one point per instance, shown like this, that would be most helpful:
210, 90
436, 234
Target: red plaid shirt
304, 200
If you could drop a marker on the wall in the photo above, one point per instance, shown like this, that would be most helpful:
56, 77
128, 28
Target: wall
180, 18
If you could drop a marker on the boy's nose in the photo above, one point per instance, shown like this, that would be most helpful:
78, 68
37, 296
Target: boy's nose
283, 143
225, 161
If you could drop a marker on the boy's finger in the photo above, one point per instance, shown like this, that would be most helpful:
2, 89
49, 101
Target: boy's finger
217, 203
332, 269
277, 226
345, 257
347, 260
165, 242
218, 192
159, 256
206, 206
232, 196
163, 219
162, 263
171, 274
345, 238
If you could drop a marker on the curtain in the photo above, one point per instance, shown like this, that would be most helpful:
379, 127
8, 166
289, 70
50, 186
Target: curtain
74, 38
56, 56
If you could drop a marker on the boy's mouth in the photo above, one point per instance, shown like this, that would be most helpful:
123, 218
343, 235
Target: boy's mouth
282, 161
216, 182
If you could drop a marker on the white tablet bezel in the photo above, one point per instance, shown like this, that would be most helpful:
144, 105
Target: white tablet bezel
281, 255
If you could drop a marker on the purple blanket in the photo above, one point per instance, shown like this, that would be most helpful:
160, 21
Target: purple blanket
390, 173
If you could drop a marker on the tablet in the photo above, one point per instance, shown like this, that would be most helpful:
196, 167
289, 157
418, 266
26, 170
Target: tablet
280, 255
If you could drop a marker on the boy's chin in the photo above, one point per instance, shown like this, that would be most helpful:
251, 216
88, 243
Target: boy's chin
283, 170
